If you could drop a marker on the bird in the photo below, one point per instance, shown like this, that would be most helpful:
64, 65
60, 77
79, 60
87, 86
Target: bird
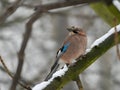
73, 47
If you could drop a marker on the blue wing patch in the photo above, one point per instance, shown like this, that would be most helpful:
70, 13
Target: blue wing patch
62, 50
65, 47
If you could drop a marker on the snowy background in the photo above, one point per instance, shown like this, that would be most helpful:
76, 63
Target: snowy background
48, 33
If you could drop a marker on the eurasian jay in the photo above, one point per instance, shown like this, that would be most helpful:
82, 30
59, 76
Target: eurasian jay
73, 47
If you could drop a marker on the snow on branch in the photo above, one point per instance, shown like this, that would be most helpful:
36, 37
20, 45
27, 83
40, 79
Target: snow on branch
63, 71
45, 83
101, 39
117, 4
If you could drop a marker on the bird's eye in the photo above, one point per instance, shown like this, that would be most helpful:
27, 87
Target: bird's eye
75, 31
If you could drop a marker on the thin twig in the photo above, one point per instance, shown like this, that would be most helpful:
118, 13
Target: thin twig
9, 73
10, 10
5, 67
116, 40
79, 83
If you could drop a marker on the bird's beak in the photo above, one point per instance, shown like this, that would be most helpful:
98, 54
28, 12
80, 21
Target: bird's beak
70, 29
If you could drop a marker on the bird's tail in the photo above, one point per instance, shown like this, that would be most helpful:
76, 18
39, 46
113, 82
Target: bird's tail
55, 65
53, 69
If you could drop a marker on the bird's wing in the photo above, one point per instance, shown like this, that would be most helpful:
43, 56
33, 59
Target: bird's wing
63, 49
55, 66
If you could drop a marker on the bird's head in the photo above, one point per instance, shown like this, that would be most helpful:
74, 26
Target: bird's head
76, 30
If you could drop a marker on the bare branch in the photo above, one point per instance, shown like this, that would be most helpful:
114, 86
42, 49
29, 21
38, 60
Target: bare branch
21, 53
117, 40
9, 73
6, 69
79, 83
10, 10
62, 4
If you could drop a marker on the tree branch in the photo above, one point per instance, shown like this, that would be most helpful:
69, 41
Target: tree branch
65, 3
99, 47
79, 83
21, 53
10, 10
9, 73
107, 12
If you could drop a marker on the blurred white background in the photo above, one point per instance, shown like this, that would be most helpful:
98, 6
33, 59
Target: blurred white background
48, 33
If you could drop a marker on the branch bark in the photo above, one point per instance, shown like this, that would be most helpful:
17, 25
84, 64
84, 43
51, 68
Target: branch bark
83, 63
65, 3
